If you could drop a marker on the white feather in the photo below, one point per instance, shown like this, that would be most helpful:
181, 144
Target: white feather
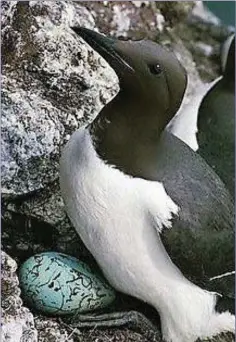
184, 123
119, 219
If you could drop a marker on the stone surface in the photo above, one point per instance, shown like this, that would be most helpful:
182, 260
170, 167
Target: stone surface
17, 321
51, 83
49, 330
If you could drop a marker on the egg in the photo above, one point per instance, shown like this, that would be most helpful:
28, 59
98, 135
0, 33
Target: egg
58, 284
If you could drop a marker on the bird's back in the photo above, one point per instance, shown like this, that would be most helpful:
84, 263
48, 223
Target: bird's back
201, 240
216, 131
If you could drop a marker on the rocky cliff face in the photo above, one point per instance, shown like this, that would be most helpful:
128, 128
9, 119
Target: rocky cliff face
52, 82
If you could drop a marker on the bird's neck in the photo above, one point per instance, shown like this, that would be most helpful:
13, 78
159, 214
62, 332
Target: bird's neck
126, 132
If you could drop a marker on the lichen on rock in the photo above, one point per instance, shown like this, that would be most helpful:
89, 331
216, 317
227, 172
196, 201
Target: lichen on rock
17, 321
50, 82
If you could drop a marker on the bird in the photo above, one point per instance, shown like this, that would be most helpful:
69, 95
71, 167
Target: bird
207, 122
156, 218
184, 123
216, 122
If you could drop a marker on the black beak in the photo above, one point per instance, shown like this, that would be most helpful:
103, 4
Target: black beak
106, 47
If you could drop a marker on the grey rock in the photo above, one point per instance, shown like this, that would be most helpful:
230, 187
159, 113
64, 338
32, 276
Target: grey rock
50, 81
52, 331
17, 321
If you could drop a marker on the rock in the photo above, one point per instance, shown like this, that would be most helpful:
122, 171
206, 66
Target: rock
51, 331
137, 19
39, 223
17, 321
44, 62
201, 13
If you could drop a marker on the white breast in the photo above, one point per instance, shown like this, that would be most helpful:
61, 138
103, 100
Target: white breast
119, 219
112, 212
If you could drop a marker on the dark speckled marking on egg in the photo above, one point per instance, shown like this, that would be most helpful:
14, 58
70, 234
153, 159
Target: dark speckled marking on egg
58, 284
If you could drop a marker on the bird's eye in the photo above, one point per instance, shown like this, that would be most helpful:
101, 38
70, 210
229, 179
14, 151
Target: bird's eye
155, 69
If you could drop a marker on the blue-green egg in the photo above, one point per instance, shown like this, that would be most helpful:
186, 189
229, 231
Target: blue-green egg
58, 284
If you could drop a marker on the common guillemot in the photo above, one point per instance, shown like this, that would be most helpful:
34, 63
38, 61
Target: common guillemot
207, 122
145, 205
216, 123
